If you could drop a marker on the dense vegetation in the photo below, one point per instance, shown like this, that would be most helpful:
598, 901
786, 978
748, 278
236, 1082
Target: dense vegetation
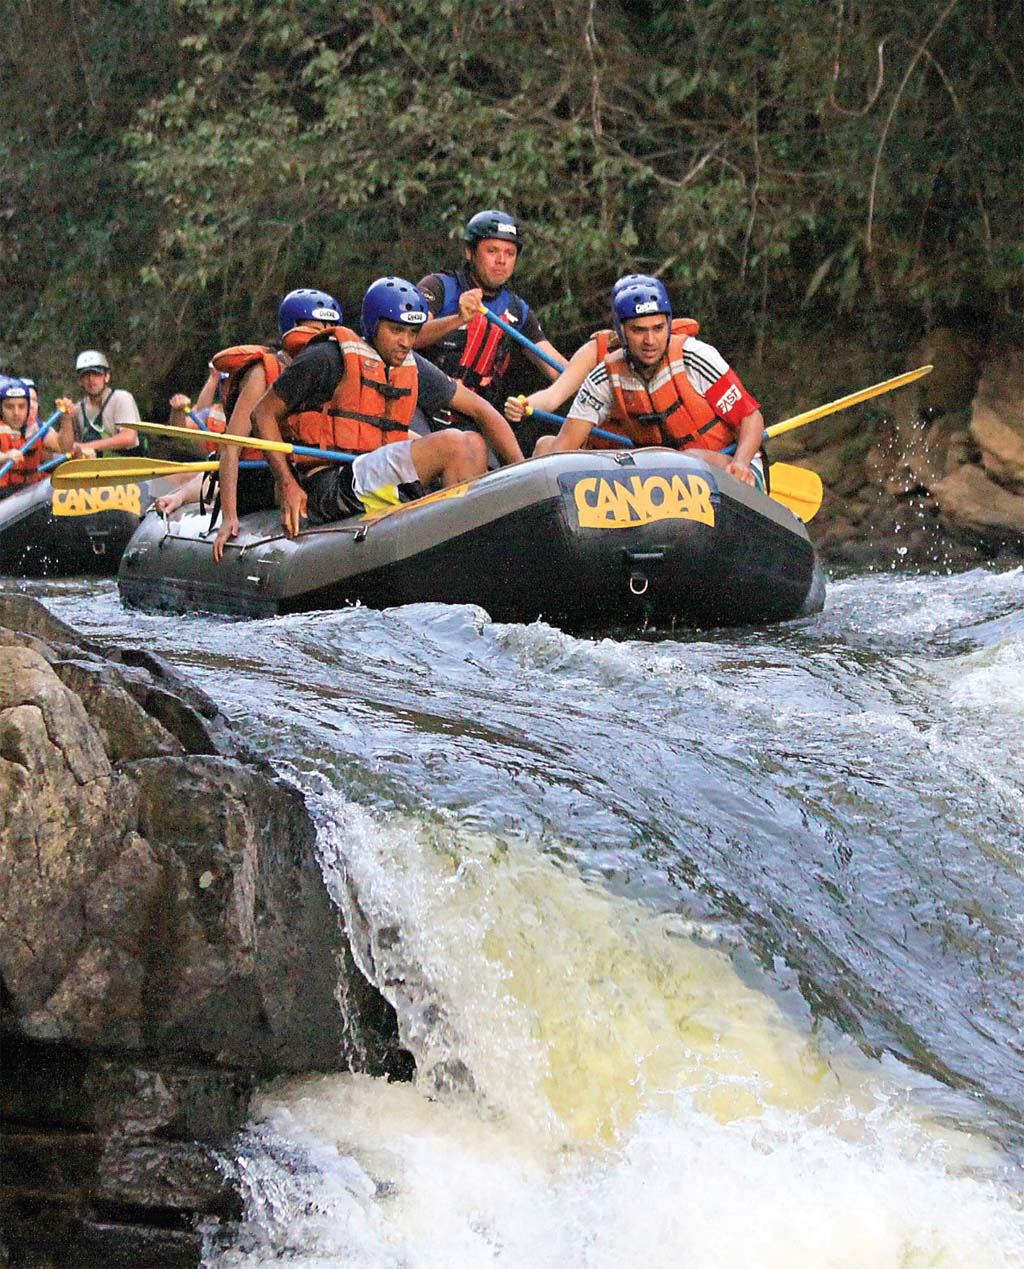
171, 167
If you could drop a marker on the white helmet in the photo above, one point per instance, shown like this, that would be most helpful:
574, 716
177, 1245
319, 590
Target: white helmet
91, 360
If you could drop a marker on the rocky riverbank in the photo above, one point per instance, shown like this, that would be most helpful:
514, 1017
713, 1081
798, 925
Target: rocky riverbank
931, 476
166, 940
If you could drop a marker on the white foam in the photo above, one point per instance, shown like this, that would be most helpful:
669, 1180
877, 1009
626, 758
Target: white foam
596, 1089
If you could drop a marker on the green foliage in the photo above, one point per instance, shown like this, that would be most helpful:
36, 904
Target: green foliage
788, 163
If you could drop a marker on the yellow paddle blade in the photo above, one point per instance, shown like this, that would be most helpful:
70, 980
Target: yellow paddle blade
797, 488
844, 403
215, 438
81, 473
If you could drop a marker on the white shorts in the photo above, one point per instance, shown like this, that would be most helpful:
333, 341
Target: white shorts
377, 475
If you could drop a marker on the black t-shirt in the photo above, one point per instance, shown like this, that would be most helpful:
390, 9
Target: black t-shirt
309, 382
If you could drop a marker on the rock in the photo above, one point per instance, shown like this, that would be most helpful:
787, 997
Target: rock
957, 357
970, 499
942, 472
997, 418
166, 939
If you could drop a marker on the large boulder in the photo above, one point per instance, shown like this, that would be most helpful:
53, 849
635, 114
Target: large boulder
166, 939
151, 895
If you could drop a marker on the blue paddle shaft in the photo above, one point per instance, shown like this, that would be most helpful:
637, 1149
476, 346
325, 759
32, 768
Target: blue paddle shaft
526, 343
32, 441
596, 431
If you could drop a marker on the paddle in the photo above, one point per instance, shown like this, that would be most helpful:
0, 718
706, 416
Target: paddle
518, 335
844, 403
557, 418
80, 473
247, 442
797, 488
32, 440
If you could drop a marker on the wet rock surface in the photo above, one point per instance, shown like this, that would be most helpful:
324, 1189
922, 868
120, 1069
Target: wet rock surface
931, 475
166, 940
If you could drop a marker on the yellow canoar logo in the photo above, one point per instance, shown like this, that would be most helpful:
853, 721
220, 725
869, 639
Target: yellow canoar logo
604, 503
87, 502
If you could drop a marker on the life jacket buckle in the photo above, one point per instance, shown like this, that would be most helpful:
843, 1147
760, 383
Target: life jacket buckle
655, 419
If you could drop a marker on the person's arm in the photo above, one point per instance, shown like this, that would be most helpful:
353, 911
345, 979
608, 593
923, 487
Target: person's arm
751, 434
123, 438
567, 384
572, 435
66, 429
208, 391
254, 385
590, 409
435, 328
495, 430
267, 417
549, 371
51, 440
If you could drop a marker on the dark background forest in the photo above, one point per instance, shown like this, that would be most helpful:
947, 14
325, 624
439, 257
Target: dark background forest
819, 183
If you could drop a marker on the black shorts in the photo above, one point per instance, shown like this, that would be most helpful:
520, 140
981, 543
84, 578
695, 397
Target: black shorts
329, 494
255, 490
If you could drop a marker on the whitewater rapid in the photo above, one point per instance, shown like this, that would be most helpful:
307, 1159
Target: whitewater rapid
708, 949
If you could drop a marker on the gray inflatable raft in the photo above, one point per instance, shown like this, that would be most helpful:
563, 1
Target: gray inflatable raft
586, 541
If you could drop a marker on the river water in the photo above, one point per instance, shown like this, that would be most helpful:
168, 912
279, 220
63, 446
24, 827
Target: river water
709, 949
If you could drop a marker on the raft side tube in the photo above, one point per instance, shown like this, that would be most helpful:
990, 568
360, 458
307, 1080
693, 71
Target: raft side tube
583, 540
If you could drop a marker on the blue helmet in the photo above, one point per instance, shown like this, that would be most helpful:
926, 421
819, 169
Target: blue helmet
492, 224
14, 390
631, 279
638, 299
393, 300
307, 305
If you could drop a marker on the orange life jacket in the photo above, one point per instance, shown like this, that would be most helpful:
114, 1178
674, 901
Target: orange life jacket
24, 473
235, 362
607, 341
296, 340
371, 406
668, 410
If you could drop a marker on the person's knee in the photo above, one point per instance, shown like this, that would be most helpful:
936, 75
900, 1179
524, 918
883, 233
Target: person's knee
474, 451
461, 449
544, 446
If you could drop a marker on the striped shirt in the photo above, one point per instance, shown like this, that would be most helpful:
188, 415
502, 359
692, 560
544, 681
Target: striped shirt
705, 367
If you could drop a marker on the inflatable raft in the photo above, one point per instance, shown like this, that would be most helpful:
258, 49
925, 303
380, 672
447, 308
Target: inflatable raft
582, 540
47, 532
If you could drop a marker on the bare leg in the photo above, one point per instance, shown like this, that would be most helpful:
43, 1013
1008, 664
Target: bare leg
450, 456
543, 446
189, 489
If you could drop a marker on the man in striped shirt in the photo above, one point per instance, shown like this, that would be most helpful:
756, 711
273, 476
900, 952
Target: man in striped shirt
662, 388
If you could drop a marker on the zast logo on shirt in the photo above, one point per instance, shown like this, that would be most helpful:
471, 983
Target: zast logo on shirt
728, 399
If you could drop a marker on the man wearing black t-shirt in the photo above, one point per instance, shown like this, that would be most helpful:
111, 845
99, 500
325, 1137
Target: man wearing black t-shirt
458, 337
393, 311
